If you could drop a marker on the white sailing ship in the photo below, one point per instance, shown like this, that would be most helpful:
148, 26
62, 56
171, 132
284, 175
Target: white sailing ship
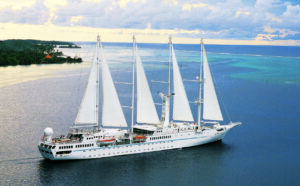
86, 139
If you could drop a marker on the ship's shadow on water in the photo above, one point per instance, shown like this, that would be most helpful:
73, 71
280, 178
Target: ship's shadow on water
171, 166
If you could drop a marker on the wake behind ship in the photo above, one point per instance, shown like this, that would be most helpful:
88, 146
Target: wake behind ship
86, 140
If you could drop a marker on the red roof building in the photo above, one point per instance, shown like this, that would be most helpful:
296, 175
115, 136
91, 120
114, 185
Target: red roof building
48, 56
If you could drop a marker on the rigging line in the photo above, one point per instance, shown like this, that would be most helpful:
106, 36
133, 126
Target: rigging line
191, 80
120, 71
154, 81
125, 106
124, 83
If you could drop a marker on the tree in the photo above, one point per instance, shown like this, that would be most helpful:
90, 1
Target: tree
12, 60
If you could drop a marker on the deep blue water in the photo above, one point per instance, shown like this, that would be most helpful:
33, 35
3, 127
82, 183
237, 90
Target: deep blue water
256, 86
287, 51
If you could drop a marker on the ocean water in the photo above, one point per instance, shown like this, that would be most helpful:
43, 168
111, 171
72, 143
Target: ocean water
257, 85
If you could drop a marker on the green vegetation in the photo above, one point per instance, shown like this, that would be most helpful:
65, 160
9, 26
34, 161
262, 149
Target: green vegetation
26, 52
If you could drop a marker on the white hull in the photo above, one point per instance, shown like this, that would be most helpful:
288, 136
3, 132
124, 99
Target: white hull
176, 141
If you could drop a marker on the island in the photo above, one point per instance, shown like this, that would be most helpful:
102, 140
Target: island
26, 52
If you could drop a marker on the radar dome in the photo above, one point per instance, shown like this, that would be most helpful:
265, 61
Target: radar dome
48, 131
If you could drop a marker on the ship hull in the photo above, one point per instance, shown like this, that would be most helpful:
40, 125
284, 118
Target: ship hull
178, 141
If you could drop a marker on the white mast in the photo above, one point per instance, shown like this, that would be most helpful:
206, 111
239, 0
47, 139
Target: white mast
165, 111
170, 54
132, 96
199, 101
98, 83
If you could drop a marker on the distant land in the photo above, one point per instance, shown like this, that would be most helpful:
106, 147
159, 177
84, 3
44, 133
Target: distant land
69, 46
26, 52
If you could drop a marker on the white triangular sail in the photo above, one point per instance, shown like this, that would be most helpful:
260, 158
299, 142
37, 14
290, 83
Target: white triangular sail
181, 107
112, 113
146, 111
211, 107
88, 111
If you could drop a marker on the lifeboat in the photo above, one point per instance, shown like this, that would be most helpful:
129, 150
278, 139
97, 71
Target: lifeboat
139, 138
107, 141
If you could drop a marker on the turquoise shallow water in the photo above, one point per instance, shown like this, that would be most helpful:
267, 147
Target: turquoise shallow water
280, 70
256, 87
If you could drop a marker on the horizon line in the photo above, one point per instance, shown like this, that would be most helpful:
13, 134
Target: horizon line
210, 42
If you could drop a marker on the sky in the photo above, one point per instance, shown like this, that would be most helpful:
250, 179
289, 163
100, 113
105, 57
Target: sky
252, 22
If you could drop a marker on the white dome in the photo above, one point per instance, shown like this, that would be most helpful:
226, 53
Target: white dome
48, 131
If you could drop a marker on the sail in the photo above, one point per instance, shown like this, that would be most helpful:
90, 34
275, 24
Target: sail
181, 107
211, 107
146, 111
88, 111
112, 113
